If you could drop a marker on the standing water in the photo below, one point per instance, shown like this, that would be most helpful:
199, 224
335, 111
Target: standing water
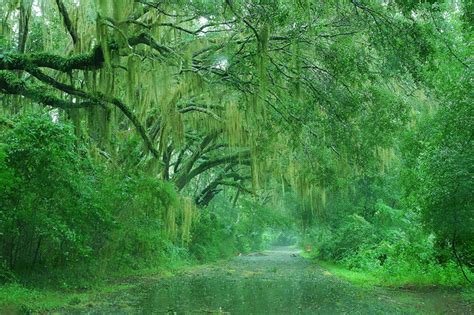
276, 281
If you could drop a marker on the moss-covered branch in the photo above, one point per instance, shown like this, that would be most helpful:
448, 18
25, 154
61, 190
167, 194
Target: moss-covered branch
240, 157
212, 189
192, 108
67, 22
88, 61
146, 39
134, 119
235, 158
11, 84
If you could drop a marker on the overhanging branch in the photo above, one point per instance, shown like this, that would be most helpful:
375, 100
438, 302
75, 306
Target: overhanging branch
67, 22
10, 84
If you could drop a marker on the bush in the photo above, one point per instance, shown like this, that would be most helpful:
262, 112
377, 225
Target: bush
61, 209
394, 247
213, 237
345, 240
46, 210
224, 229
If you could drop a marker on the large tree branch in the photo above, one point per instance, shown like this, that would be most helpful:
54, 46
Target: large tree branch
235, 158
92, 60
181, 179
146, 39
211, 190
10, 84
134, 119
191, 108
88, 61
254, 30
67, 22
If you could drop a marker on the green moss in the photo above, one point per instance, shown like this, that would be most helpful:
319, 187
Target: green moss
86, 61
11, 84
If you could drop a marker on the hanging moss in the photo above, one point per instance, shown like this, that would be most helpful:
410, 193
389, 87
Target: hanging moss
121, 9
233, 124
255, 172
104, 7
296, 65
170, 223
323, 197
131, 78
385, 157
102, 35
188, 218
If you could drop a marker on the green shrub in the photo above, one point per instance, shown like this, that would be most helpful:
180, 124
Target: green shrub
141, 206
345, 240
61, 209
394, 248
47, 215
213, 237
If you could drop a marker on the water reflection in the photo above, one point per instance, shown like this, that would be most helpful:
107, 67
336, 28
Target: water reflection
252, 295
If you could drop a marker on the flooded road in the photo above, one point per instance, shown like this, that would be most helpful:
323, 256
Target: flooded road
277, 281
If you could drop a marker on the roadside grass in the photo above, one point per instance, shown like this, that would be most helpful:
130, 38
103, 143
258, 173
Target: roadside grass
17, 298
406, 277
411, 286
60, 290
78, 291
423, 290
362, 279
468, 295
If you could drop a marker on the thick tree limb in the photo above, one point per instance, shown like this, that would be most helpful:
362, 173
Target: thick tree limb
88, 61
10, 84
241, 157
67, 22
147, 39
92, 60
182, 179
200, 109
208, 193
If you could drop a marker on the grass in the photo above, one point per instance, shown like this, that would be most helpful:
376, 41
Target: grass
405, 275
468, 295
15, 298
425, 290
362, 279
77, 291
405, 278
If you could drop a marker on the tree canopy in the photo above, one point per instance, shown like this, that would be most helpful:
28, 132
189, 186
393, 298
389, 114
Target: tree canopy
360, 108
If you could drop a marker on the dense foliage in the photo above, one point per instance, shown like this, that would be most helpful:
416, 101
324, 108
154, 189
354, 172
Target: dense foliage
412, 221
137, 134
